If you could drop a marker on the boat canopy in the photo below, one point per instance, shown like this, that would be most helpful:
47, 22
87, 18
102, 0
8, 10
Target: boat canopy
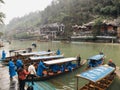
46, 57
58, 61
44, 53
35, 53
96, 57
96, 73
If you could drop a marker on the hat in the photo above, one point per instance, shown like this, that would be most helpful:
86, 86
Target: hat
110, 60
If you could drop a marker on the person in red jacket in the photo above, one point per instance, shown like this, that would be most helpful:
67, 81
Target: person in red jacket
22, 73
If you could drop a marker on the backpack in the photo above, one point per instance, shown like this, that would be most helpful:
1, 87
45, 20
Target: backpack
21, 73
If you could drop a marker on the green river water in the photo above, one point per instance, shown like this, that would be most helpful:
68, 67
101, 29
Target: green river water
86, 50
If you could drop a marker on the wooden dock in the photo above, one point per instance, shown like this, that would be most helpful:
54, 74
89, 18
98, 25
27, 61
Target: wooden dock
117, 71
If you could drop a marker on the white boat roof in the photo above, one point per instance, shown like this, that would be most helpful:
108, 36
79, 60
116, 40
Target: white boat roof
44, 53
46, 57
62, 60
35, 53
96, 73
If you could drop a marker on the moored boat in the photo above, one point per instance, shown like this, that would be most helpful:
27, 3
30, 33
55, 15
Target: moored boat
23, 55
49, 73
14, 54
95, 60
100, 78
40, 53
44, 58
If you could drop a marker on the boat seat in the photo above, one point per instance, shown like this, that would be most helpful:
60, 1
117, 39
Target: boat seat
66, 70
50, 73
45, 72
59, 72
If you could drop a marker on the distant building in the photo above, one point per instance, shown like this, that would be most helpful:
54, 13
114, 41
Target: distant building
109, 28
51, 31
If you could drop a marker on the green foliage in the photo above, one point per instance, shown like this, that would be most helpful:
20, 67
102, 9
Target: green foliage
68, 12
1, 1
26, 22
2, 15
97, 27
22, 36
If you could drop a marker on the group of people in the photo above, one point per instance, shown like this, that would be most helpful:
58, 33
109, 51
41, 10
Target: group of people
36, 70
19, 69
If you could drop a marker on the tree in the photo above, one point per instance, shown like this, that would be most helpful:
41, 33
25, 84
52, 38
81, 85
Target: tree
97, 27
1, 14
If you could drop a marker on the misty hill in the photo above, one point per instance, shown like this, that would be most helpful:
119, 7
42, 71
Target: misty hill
68, 12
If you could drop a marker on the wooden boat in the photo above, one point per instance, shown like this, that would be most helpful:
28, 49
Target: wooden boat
95, 60
41, 53
100, 78
45, 58
50, 74
14, 54
23, 54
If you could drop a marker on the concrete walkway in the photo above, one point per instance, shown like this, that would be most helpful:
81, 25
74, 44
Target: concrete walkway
5, 83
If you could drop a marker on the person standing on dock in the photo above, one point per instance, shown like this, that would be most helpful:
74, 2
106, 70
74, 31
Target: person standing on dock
3, 55
12, 71
22, 72
78, 60
32, 71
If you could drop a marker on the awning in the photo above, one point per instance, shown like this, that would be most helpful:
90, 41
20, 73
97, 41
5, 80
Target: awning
97, 73
46, 57
96, 57
58, 61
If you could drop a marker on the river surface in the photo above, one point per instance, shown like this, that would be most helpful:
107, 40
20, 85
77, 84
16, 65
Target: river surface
86, 50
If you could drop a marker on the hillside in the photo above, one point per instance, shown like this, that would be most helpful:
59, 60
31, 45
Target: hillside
68, 12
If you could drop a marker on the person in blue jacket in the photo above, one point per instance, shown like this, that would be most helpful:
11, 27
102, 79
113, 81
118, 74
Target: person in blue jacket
55, 68
62, 68
11, 69
3, 55
70, 66
19, 63
40, 68
58, 52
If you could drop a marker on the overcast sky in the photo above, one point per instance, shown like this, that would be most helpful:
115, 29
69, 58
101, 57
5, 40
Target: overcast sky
15, 8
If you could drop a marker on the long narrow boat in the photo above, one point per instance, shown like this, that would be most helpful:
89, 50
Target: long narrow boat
95, 60
44, 58
60, 62
100, 78
20, 55
14, 54
40, 53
